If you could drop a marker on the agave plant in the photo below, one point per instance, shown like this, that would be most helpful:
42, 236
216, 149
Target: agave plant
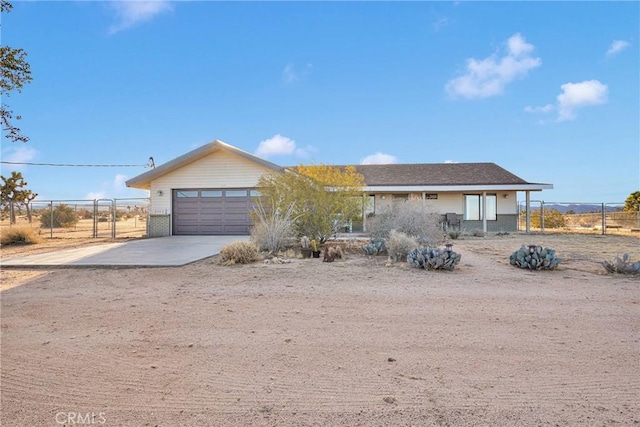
434, 258
622, 265
376, 246
535, 258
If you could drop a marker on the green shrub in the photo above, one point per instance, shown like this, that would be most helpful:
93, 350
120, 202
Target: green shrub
239, 253
553, 218
19, 235
63, 216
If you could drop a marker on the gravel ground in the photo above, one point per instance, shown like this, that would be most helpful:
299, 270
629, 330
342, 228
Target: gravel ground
353, 342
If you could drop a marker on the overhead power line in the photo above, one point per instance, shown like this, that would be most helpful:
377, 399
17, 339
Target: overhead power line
150, 164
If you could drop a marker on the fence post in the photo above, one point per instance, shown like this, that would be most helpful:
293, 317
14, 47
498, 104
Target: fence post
51, 218
604, 220
95, 218
542, 216
113, 218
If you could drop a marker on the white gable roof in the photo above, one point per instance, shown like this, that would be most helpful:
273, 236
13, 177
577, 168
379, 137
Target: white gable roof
144, 180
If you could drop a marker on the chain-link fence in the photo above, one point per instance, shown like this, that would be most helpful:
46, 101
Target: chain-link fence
106, 218
593, 218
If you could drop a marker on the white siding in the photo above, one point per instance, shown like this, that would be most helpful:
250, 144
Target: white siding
507, 205
221, 169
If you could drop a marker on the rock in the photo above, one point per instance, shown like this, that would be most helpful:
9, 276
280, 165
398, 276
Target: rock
390, 399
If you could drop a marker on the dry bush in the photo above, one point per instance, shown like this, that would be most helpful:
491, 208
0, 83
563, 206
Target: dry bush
239, 253
24, 235
273, 230
410, 218
478, 233
399, 244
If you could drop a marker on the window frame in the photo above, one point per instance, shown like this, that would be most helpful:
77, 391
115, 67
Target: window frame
492, 214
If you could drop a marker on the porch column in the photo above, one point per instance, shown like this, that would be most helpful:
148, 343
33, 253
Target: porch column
528, 211
484, 211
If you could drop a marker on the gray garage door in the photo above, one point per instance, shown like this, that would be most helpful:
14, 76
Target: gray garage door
212, 211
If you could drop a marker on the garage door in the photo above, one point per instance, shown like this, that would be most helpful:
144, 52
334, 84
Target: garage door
212, 211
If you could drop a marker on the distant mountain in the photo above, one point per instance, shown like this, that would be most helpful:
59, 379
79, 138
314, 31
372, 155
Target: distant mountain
577, 208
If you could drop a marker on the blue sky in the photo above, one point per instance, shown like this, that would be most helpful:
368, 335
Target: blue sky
547, 90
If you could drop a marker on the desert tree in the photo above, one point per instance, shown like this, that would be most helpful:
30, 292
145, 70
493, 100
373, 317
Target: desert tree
322, 197
13, 193
15, 73
632, 203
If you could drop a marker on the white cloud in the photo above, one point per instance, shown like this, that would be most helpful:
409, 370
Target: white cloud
488, 77
109, 190
119, 181
449, 162
573, 97
133, 12
291, 74
544, 109
379, 159
95, 195
577, 95
439, 23
617, 46
277, 145
19, 154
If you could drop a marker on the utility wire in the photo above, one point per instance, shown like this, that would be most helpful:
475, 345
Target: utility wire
151, 164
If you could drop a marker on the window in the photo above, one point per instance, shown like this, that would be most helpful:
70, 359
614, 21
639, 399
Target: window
473, 207
211, 193
235, 193
185, 193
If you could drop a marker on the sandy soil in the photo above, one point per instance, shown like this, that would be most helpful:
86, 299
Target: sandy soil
346, 343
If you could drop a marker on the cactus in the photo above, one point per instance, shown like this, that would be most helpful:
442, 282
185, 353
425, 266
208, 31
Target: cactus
534, 257
433, 258
375, 247
622, 265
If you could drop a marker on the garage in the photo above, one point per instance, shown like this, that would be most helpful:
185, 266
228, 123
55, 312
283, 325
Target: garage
212, 211
208, 190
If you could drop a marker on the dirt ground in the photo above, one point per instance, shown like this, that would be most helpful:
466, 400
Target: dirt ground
354, 342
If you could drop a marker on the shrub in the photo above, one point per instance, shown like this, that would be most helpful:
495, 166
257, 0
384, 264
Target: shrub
239, 253
273, 229
20, 235
63, 216
534, 258
622, 265
376, 246
399, 245
553, 218
453, 232
433, 258
478, 233
410, 218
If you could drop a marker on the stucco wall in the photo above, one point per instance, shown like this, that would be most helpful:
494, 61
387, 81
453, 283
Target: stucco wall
450, 202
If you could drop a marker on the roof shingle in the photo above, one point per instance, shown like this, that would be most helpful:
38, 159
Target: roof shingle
437, 174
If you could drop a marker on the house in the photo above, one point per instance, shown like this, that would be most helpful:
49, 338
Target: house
209, 191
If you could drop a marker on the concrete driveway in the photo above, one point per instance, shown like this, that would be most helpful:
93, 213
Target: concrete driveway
169, 251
